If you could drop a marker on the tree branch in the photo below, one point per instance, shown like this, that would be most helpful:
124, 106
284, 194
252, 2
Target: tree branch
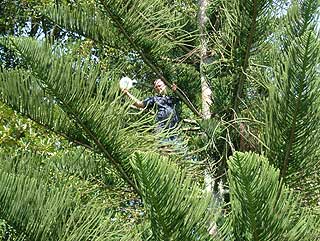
118, 22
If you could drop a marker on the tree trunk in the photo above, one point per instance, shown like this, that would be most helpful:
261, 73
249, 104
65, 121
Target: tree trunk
205, 88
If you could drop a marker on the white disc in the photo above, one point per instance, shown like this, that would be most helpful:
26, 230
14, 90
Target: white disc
126, 83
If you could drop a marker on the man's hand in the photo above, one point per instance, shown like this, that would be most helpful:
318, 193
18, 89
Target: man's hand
137, 103
174, 87
125, 91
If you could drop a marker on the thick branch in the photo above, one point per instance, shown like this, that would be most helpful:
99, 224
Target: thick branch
238, 91
147, 61
69, 111
285, 162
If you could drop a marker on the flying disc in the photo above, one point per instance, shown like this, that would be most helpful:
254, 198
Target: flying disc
126, 83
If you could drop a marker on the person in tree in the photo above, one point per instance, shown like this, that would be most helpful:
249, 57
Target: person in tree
167, 116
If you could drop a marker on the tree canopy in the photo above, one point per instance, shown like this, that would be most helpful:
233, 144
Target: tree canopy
79, 163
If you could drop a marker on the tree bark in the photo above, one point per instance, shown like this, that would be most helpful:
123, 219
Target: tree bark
205, 87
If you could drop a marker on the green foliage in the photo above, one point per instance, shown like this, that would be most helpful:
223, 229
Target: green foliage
150, 31
57, 84
240, 33
292, 109
41, 212
70, 87
262, 207
6, 232
91, 200
177, 208
23, 135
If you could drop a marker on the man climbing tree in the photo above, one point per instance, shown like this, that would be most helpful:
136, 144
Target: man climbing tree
167, 116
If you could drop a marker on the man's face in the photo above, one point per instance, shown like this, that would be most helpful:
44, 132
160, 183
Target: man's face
159, 86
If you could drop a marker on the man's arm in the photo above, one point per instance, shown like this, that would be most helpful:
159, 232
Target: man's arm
137, 102
175, 98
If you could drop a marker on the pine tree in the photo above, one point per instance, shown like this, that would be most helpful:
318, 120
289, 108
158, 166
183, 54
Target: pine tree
77, 97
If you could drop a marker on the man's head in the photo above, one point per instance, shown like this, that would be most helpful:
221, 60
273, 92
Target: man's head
159, 86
